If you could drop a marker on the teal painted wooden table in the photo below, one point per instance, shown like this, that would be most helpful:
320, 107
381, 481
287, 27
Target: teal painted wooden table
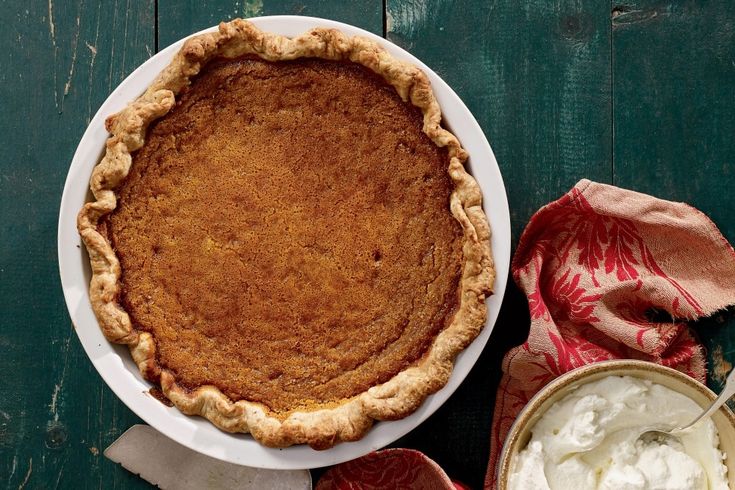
640, 94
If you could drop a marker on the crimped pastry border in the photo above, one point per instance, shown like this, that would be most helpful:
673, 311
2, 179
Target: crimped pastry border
321, 428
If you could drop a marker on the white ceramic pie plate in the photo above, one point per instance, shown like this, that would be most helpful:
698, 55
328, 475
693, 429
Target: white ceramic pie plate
113, 361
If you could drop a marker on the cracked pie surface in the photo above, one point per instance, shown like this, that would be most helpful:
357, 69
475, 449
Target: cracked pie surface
286, 237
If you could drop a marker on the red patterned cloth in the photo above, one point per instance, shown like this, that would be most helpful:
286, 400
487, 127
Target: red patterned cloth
594, 265
400, 469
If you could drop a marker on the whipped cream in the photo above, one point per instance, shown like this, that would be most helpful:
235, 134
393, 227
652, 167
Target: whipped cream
589, 440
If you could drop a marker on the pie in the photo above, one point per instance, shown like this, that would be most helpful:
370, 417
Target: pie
285, 236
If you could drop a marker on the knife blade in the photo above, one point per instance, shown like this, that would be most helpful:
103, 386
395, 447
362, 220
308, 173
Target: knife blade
170, 466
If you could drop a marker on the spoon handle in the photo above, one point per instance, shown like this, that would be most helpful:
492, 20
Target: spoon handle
727, 392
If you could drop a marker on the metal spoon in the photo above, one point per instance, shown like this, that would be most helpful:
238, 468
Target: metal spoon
662, 433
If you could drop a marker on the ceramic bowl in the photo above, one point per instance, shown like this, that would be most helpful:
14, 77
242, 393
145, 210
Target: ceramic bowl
520, 431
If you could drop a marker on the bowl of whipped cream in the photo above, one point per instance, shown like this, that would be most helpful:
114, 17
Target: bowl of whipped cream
582, 431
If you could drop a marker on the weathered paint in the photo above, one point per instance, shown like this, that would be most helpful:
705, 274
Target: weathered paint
674, 119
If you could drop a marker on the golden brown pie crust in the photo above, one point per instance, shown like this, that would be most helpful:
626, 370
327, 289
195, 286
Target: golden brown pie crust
265, 223
276, 417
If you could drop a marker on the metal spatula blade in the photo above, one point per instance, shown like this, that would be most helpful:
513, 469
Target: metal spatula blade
170, 466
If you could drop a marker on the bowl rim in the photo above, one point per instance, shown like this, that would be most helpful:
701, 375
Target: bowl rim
613, 367
113, 362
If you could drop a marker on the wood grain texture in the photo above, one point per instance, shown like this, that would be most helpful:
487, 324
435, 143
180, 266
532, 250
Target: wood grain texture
177, 19
674, 117
674, 111
60, 61
536, 75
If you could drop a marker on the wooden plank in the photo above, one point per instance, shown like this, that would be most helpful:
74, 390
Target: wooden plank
674, 117
60, 61
536, 75
178, 19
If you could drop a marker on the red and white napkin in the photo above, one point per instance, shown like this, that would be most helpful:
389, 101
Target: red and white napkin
602, 267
